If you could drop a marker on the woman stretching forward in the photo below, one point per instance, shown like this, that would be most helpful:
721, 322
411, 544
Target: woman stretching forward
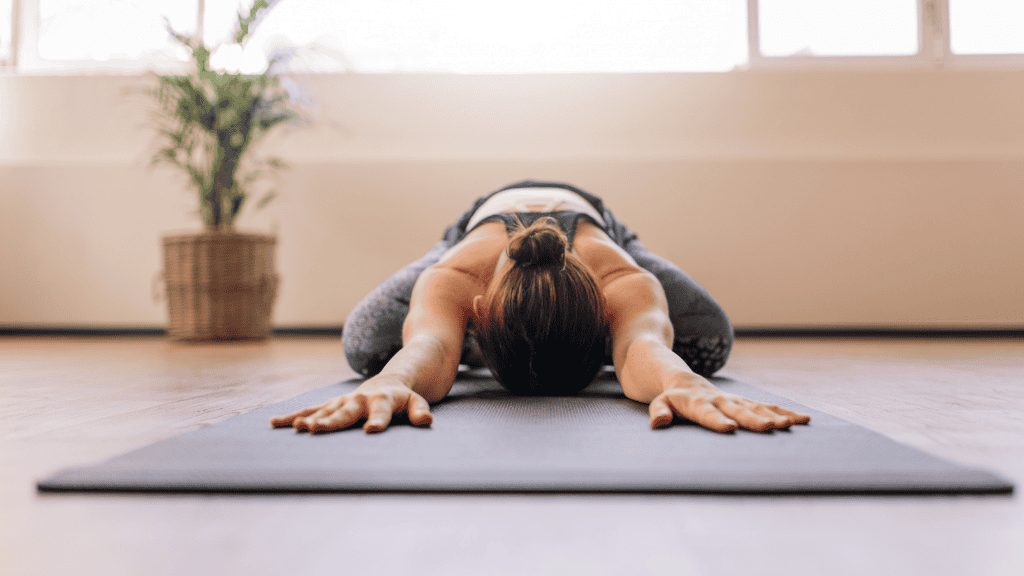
531, 282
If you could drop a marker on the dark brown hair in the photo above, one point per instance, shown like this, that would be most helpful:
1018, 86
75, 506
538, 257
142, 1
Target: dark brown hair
541, 327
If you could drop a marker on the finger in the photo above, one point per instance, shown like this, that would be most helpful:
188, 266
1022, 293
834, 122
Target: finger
304, 414
309, 421
777, 420
796, 417
322, 411
746, 417
381, 409
342, 418
772, 411
704, 413
419, 411
287, 420
661, 413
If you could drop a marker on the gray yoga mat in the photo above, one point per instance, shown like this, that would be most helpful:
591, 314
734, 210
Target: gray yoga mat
484, 440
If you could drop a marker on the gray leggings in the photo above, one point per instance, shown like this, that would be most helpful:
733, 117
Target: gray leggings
703, 335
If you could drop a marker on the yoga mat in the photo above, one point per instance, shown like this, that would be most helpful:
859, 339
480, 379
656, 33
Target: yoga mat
485, 440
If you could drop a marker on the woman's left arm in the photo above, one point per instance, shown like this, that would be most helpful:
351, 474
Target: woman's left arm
650, 372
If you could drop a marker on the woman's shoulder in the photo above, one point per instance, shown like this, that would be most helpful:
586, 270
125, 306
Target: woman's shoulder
605, 259
477, 253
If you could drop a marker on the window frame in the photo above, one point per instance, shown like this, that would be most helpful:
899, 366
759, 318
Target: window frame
933, 49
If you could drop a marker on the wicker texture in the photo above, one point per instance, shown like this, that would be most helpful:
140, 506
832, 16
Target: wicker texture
220, 285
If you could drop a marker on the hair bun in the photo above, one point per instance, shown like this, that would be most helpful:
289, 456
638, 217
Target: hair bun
541, 244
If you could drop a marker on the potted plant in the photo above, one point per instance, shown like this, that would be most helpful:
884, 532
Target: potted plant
221, 283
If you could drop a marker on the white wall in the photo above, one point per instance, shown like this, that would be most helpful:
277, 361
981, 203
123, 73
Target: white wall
797, 198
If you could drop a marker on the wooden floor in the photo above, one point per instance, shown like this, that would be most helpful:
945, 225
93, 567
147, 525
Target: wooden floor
72, 401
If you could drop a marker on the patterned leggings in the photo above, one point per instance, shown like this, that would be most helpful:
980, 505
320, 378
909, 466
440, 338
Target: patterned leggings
703, 335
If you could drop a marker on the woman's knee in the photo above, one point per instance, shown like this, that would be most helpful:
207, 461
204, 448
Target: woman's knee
372, 333
703, 338
705, 355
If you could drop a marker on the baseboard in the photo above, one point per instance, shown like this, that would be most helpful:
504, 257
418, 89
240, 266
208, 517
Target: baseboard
54, 330
880, 332
148, 331
308, 331
741, 331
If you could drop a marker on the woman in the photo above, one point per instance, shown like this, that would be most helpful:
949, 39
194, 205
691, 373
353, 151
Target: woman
541, 283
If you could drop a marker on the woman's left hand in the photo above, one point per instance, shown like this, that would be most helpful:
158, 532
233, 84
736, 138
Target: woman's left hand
697, 400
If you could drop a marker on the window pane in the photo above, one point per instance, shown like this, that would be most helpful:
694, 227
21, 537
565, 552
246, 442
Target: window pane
5, 29
481, 36
986, 26
104, 30
838, 27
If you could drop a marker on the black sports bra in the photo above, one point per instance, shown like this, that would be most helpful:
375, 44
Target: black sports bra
568, 220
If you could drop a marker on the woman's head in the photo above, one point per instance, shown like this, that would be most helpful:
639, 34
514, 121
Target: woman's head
541, 324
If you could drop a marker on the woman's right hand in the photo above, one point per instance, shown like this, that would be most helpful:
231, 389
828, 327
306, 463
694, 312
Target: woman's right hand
375, 401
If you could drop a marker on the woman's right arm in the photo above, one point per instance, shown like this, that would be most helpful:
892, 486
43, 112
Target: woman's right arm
422, 371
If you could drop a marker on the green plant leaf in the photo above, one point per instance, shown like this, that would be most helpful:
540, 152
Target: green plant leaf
266, 199
247, 23
209, 122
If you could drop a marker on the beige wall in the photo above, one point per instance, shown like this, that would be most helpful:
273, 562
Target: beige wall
797, 198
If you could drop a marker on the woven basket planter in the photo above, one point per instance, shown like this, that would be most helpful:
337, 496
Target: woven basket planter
219, 285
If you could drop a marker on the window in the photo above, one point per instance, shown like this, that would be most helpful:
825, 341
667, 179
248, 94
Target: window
378, 36
524, 36
6, 31
986, 26
474, 36
61, 36
838, 27
106, 30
